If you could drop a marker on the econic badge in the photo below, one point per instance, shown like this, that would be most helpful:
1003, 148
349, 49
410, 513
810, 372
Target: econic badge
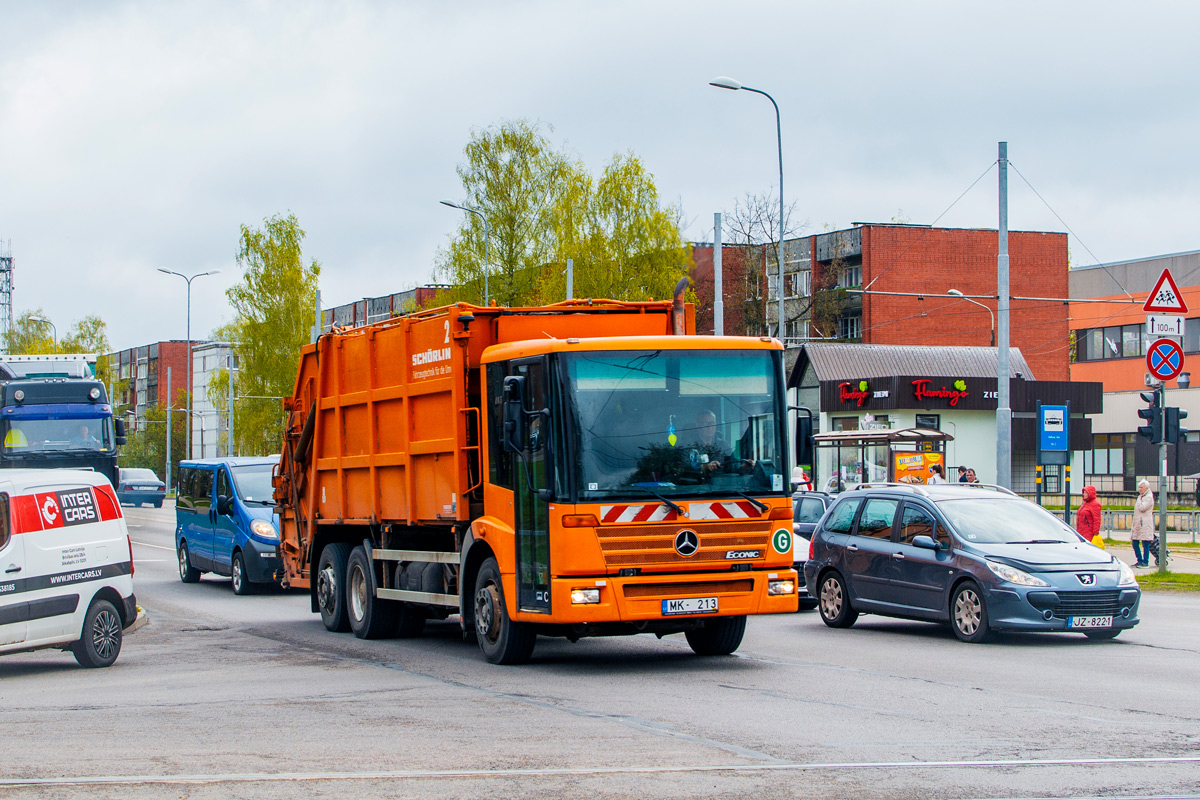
1164, 359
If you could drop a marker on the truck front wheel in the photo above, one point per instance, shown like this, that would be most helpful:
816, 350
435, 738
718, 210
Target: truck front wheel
370, 617
331, 580
502, 640
719, 636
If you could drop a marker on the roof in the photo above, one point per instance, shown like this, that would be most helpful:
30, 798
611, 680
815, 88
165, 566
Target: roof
886, 435
845, 362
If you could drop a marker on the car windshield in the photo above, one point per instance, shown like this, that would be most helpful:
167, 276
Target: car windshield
1005, 520
253, 483
676, 422
25, 435
139, 475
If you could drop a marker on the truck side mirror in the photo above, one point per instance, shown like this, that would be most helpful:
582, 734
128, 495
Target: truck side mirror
513, 435
119, 429
804, 432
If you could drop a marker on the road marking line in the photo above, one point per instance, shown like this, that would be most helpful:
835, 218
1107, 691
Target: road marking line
155, 546
585, 771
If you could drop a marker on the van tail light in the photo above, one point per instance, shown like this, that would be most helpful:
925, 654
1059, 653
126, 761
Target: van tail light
129, 541
812, 543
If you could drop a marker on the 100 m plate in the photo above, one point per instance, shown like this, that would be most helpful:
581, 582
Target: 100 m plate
689, 605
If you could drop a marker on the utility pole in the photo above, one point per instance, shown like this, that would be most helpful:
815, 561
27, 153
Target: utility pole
718, 285
1003, 404
1162, 486
229, 448
570, 279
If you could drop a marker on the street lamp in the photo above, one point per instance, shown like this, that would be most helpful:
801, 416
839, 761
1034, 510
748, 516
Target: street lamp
188, 279
53, 330
487, 240
961, 296
730, 83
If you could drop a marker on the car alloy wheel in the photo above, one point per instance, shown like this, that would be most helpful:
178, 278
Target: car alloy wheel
968, 612
832, 598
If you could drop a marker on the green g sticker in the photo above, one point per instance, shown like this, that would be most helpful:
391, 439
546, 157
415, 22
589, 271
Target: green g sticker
782, 541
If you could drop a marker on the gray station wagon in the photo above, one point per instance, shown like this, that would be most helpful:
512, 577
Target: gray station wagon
978, 557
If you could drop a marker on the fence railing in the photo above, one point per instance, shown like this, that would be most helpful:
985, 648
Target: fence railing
1180, 524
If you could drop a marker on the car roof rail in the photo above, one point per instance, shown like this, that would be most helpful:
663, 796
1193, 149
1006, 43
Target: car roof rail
915, 488
993, 486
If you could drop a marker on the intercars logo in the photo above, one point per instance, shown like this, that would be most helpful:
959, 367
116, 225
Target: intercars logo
687, 543
1086, 578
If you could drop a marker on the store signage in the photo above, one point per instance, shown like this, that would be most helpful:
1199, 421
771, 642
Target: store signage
924, 388
859, 393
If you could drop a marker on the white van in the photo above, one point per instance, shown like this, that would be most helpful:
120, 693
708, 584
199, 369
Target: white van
66, 565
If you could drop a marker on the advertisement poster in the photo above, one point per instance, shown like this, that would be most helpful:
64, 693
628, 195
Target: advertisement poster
914, 467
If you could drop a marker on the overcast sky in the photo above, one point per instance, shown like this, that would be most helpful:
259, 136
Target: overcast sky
138, 135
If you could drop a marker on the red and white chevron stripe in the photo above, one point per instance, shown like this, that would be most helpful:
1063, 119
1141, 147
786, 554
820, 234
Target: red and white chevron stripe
652, 512
735, 510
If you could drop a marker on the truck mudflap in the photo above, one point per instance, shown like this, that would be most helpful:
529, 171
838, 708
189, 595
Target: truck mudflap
663, 597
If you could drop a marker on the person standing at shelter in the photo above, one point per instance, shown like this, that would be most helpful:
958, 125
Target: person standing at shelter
935, 474
962, 474
1087, 518
1142, 530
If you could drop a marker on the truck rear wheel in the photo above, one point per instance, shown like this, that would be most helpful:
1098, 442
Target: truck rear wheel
502, 640
719, 636
331, 582
370, 617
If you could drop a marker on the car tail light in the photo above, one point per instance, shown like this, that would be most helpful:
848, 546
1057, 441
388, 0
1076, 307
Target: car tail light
811, 544
129, 541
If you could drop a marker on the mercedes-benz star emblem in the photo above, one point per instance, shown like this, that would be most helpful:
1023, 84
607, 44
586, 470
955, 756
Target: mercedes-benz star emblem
1086, 579
686, 543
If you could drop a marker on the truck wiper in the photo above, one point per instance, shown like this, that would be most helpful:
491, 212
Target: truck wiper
759, 504
674, 507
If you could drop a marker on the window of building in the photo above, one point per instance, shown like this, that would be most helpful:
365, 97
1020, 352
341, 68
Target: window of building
930, 422
845, 423
797, 330
850, 276
1191, 335
1131, 341
850, 327
1107, 456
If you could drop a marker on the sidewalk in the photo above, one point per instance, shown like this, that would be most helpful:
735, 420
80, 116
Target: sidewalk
1182, 560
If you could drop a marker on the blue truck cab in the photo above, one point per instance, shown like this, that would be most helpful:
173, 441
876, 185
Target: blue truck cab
225, 521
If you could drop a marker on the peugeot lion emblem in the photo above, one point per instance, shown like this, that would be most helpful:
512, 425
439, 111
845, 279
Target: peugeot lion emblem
1087, 579
686, 543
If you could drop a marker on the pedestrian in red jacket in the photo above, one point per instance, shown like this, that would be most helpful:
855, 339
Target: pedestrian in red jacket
1087, 518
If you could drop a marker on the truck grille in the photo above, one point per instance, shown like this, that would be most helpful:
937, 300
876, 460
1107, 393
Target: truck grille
641, 545
694, 588
1088, 604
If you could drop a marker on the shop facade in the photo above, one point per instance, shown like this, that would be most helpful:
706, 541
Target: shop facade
850, 387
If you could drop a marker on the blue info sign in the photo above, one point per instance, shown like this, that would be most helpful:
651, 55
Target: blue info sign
1052, 428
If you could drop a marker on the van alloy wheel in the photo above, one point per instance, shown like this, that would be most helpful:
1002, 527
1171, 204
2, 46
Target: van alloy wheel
106, 633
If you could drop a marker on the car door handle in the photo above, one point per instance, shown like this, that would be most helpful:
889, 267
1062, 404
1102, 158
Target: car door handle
852, 547
12, 568
898, 556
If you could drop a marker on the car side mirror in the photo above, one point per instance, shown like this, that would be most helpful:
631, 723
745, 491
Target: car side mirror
927, 542
224, 504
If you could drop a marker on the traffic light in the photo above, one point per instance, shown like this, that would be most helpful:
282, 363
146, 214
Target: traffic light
1174, 433
1152, 430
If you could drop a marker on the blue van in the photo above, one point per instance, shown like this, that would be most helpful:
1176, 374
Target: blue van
225, 521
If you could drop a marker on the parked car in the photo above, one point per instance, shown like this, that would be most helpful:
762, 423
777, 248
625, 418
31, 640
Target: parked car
225, 521
68, 565
139, 486
977, 557
807, 510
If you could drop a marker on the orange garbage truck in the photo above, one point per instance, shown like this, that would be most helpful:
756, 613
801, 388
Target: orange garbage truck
588, 468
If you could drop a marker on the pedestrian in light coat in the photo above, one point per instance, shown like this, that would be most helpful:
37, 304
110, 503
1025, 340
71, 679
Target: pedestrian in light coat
1143, 523
1087, 518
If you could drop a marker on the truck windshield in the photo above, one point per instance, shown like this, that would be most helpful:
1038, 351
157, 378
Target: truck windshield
28, 435
253, 484
675, 422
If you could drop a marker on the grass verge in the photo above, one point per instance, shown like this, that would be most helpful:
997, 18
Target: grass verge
1171, 582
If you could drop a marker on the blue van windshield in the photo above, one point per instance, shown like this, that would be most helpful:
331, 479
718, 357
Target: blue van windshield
253, 483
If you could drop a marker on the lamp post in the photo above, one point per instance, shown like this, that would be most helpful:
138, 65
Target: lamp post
730, 83
53, 330
487, 241
961, 296
188, 279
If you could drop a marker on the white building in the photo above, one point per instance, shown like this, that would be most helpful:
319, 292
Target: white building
209, 423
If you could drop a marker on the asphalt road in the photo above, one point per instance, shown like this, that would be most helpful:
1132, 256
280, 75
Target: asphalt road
223, 696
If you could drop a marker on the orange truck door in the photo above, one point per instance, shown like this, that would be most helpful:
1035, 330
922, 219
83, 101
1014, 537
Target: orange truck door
532, 472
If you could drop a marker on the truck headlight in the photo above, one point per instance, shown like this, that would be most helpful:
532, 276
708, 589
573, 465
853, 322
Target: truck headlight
263, 529
1013, 575
584, 597
781, 587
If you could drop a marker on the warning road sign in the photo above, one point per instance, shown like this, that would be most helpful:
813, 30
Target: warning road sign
1165, 359
1165, 298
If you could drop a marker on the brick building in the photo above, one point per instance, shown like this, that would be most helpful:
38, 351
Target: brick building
140, 380
920, 264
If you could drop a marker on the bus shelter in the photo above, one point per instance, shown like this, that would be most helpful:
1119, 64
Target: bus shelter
848, 458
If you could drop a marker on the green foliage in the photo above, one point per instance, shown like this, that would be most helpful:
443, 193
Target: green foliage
147, 446
543, 207
274, 308
31, 336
